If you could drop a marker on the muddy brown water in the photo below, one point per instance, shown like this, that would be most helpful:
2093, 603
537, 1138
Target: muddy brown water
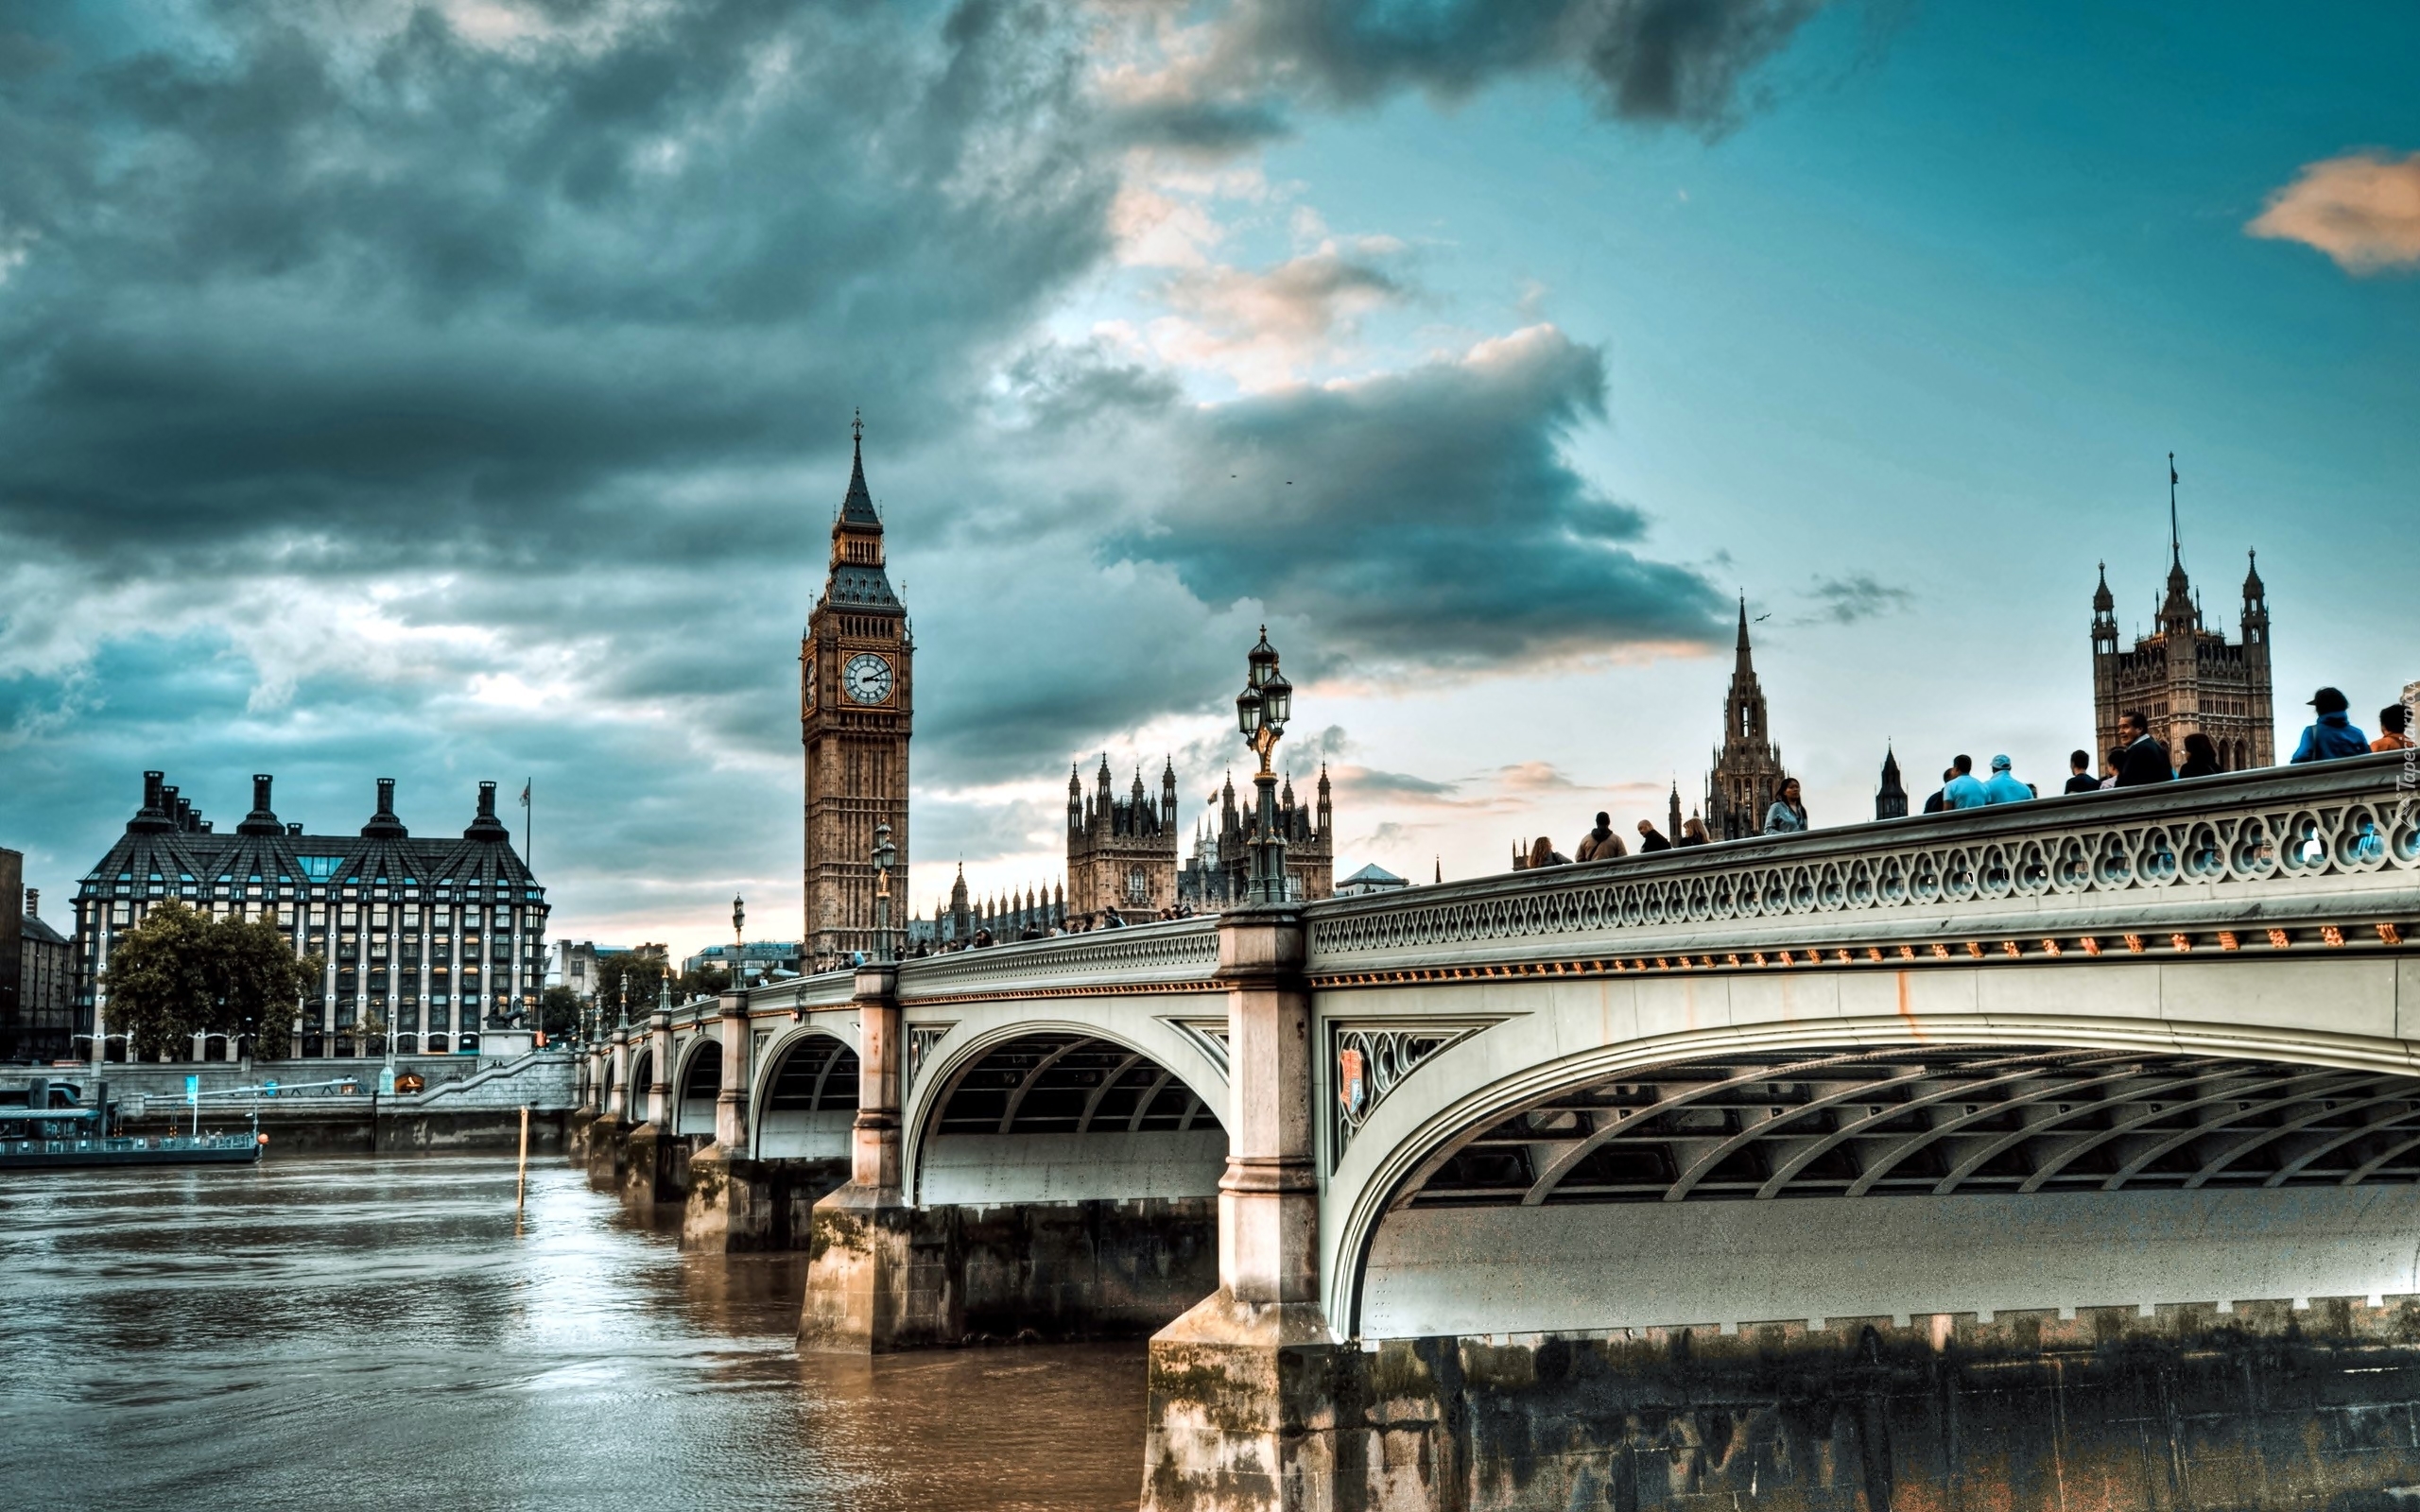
376, 1333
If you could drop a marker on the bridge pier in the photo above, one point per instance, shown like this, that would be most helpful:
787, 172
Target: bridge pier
860, 1235
1242, 1414
729, 1207
655, 1169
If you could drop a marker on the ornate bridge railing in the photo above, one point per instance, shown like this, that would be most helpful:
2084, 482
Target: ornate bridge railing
2315, 857
1180, 954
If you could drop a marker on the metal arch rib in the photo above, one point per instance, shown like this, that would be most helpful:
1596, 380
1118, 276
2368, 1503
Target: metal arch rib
2184, 1137
1134, 1121
1991, 1150
1581, 1149
2361, 1172
2128, 1125
2029, 1065
2295, 1166
1016, 1097
2268, 1136
823, 1075
1705, 1163
1092, 1104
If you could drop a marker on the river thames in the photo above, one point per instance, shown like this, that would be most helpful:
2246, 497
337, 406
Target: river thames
379, 1333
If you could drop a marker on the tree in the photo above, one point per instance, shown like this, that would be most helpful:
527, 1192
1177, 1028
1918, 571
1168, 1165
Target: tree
705, 982
559, 1012
182, 973
626, 981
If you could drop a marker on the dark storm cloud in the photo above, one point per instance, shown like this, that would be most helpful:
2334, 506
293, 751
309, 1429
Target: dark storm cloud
1681, 61
452, 409
418, 293
1425, 518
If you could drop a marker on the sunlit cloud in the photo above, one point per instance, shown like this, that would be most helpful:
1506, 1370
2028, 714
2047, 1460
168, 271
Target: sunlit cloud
2362, 209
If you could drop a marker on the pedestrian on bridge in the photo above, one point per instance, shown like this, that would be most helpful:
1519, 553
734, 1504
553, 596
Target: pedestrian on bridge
2395, 725
2335, 734
1599, 844
2003, 787
1651, 839
2143, 761
2080, 778
1940, 799
1788, 814
1963, 790
2201, 757
1545, 855
1693, 833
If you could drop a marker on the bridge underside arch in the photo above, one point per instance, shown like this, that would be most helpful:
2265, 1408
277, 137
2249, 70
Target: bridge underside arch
809, 1101
694, 1094
642, 1074
1781, 1185
1064, 1116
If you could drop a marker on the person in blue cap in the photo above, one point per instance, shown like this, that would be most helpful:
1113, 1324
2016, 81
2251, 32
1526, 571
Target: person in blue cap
2003, 787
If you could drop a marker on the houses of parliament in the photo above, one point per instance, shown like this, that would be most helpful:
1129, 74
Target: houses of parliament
856, 713
2183, 676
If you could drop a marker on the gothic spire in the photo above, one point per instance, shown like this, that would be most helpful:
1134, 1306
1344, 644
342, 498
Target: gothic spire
1744, 664
2103, 601
858, 507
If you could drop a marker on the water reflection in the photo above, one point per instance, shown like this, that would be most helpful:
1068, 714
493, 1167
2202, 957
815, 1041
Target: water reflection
372, 1332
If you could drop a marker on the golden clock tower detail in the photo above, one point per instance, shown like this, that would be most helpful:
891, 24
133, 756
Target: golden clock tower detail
855, 696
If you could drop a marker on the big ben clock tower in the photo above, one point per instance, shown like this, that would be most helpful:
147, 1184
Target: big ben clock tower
855, 694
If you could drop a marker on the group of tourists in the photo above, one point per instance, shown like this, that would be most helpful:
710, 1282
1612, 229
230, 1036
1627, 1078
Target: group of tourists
2141, 760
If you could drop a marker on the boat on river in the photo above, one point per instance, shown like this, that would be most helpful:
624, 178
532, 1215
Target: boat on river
52, 1124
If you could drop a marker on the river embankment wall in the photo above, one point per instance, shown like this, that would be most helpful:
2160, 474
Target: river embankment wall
467, 1103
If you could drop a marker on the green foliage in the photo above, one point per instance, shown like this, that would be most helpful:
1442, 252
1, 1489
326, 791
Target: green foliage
559, 1012
182, 973
629, 981
706, 980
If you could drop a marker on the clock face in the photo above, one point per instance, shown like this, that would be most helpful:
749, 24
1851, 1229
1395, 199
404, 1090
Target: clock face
867, 678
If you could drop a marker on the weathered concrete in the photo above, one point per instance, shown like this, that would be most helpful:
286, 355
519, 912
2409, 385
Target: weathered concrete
739, 1206
655, 1166
2265, 1408
609, 1146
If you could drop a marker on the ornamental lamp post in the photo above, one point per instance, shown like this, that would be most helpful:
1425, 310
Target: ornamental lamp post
1261, 712
886, 856
738, 944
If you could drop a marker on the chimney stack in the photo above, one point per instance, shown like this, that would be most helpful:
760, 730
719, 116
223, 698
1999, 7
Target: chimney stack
384, 825
262, 820
33, 902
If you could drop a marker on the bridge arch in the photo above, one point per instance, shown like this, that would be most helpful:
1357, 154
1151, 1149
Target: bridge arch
1056, 1110
696, 1083
805, 1100
642, 1077
1794, 1171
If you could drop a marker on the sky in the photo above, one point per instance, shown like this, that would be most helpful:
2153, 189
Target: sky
460, 391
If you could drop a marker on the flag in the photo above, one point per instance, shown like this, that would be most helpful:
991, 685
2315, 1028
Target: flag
524, 795
2172, 478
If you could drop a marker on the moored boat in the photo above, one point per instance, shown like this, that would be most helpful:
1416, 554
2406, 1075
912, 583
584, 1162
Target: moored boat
51, 1124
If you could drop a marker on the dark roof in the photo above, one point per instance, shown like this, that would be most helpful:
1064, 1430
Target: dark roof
856, 509
38, 930
854, 583
483, 854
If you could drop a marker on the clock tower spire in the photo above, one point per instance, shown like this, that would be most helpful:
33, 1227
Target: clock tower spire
854, 715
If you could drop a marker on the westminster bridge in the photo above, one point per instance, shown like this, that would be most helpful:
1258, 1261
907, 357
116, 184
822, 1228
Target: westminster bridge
2050, 1154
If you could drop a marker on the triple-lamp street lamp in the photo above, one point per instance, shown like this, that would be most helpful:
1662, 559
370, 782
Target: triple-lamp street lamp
1261, 712
886, 856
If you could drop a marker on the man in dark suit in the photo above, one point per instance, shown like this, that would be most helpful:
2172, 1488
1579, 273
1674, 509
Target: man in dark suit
2146, 760
2080, 778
